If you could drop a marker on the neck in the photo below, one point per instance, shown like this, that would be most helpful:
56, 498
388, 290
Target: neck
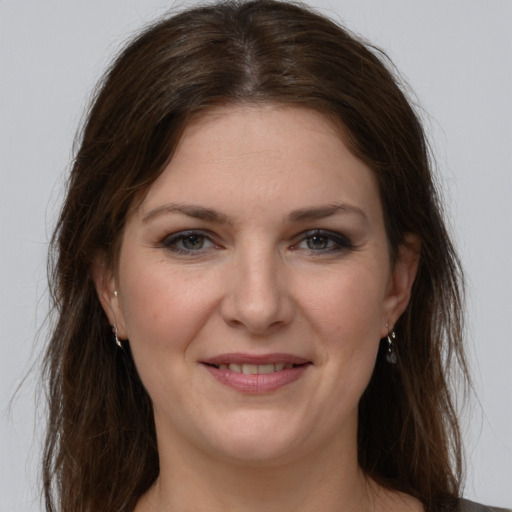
202, 483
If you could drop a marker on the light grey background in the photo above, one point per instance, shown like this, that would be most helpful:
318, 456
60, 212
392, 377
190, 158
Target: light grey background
456, 54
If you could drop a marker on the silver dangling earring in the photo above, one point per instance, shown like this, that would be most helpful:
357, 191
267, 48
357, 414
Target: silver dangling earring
114, 329
391, 352
118, 341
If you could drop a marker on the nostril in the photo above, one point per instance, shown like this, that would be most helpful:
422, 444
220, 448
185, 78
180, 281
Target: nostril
276, 324
235, 323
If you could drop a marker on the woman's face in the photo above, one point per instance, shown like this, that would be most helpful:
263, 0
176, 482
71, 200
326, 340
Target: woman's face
254, 284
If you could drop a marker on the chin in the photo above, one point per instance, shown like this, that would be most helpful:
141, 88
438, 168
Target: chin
258, 439
258, 453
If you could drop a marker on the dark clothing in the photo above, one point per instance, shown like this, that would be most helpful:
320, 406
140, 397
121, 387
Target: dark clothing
470, 506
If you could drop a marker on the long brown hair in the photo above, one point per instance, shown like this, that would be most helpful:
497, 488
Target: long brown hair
100, 452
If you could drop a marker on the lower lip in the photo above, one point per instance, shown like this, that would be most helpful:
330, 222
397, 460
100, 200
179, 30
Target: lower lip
258, 383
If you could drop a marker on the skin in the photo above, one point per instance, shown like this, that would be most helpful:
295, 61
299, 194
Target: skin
258, 279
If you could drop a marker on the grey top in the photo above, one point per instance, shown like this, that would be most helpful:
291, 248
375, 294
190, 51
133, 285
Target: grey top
471, 506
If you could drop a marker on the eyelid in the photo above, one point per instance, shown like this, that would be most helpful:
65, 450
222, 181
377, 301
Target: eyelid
342, 241
170, 240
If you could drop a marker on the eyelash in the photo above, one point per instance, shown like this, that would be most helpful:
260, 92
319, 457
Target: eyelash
171, 242
340, 242
335, 242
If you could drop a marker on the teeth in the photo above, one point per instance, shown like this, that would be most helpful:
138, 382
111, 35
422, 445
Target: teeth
266, 368
250, 369
253, 369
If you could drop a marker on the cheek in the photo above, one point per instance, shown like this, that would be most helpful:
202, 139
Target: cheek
164, 312
356, 347
346, 314
163, 309
348, 306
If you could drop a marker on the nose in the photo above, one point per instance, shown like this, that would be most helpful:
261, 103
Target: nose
258, 297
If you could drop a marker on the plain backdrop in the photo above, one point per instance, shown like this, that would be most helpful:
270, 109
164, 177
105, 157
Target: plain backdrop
455, 54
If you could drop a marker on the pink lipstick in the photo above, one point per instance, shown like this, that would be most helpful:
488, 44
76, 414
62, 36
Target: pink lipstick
256, 374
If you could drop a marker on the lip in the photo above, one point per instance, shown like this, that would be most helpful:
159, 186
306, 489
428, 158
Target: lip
241, 358
256, 383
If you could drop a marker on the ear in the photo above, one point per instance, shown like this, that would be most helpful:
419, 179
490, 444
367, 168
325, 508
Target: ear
108, 294
402, 278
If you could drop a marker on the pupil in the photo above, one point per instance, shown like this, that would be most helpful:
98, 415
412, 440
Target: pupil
317, 242
193, 242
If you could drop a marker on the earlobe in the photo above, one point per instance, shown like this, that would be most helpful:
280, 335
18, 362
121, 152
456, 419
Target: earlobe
402, 279
106, 289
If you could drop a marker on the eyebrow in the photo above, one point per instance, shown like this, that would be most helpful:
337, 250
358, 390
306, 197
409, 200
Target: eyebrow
190, 210
321, 212
211, 215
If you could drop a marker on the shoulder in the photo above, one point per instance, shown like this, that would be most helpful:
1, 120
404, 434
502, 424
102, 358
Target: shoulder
471, 506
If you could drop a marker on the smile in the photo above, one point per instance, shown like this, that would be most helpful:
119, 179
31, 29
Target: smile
255, 369
256, 374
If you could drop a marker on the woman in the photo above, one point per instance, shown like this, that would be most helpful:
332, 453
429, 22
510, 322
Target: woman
258, 303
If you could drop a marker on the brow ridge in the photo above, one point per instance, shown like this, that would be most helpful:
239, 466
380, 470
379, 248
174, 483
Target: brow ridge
321, 212
190, 210
212, 215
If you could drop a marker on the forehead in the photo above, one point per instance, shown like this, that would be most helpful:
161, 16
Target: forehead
268, 155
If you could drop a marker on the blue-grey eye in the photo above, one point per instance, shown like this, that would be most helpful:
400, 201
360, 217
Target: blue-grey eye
193, 242
322, 241
318, 242
188, 242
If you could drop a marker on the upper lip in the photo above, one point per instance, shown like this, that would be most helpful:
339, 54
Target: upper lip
241, 358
